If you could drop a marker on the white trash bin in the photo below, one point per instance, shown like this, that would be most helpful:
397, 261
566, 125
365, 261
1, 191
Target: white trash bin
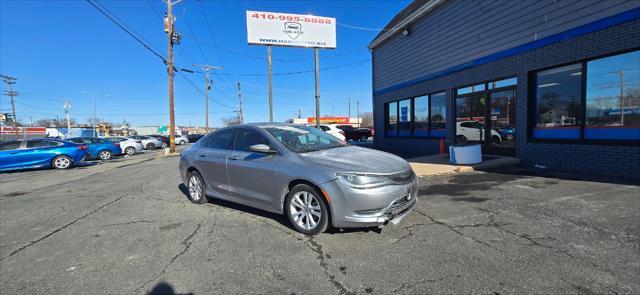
466, 154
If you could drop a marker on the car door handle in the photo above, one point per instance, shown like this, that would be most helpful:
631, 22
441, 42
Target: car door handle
234, 157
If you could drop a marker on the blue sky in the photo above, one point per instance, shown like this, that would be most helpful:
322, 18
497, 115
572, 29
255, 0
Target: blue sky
58, 49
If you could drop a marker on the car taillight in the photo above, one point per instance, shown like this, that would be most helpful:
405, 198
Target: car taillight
82, 147
117, 144
341, 132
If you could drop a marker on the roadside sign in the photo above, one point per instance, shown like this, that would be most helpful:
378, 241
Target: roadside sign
296, 30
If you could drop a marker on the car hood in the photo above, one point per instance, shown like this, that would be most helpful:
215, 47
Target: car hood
356, 159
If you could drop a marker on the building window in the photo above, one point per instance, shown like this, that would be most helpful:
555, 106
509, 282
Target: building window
471, 89
612, 97
423, 116
558, 103
501, 83
392, 119
438, 117
405, 117
608, 90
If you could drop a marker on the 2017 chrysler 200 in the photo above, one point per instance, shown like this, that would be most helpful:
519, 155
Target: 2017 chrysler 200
312, 177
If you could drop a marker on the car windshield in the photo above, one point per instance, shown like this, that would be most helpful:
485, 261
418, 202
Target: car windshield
302, 139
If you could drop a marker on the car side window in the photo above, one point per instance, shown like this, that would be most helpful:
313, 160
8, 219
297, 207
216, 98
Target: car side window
467, 125
41, 143
220, 140
246, 138
87, 140
324, 128
10, 145
99, 140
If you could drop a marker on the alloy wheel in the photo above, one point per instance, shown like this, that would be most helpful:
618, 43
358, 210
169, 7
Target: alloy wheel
130, 151
104, 155
305, 210
195, 188
62, 162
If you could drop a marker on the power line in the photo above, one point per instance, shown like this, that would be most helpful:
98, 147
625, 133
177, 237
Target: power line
164, 60
302, 72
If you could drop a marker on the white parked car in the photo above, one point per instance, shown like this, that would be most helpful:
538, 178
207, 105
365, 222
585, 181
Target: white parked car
475, 131
128, 146
148, 142
181, 139
333, 130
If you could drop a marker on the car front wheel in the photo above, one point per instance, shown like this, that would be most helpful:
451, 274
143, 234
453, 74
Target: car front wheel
61, 162
306, 210
130, 151
150, 146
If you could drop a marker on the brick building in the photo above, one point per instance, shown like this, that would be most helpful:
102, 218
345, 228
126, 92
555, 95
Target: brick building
554, 83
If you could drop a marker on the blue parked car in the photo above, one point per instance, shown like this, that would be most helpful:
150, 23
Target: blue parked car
39, 153
98, 148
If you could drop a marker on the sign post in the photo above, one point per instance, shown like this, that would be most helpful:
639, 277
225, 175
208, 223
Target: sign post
292, 30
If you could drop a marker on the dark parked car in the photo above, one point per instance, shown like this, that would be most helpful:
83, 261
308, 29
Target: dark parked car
40, 153
194, 137
164, 139
351, 133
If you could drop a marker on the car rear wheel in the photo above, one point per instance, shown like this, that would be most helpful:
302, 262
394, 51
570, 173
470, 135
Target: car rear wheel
130, 151
61, 162
306, 210
363, 137
150, 146
196, 187
182, 142
104, 155
509, 137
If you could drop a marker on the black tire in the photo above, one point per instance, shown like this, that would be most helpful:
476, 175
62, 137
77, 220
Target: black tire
61, 162
321, 224
130, 151
150, 146
363, 137
509, 137
104, 155
182, 142
495, 140
201, 198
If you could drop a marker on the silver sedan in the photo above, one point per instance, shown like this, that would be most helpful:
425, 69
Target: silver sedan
313, 178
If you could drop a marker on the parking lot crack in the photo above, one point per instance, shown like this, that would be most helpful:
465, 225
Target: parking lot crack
186, 243
318, 249
410, 231
454, 229
413, 284
60, 228
132, 222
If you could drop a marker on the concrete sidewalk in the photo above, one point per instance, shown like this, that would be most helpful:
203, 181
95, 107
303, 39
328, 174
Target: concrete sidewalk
440, 164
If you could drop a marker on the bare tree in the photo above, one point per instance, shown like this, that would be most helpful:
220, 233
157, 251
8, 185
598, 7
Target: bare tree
229, 121
367, 119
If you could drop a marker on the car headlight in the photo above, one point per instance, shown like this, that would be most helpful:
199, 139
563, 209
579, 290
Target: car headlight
363, 181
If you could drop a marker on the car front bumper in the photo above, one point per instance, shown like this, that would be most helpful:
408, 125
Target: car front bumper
370, 207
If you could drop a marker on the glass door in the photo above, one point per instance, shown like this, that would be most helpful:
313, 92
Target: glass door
470, 119
501, 130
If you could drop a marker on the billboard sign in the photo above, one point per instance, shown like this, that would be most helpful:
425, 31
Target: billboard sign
296, 30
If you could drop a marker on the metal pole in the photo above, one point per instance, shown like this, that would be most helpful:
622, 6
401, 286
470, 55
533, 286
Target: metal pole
170, 71
349, 108
358, 114
240, 101
621, 73
94, 116
317, 94
207, 85
269, 81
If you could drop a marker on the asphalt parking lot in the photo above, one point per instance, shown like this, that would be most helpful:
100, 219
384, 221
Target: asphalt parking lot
126, 227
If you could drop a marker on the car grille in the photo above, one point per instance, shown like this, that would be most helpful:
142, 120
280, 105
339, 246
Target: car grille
400, 205
404, 177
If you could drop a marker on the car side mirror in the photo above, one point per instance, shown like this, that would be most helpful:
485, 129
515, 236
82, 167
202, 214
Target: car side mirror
262, 148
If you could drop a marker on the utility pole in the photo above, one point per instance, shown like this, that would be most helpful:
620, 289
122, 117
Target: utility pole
208, 84
358, 114
316, 70
240, 101
172, 37
349, 107
269, 81
67, 112
10, 81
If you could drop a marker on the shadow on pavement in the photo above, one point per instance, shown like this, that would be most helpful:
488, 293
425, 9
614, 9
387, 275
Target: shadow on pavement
164, 288
555, 174
280, 218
